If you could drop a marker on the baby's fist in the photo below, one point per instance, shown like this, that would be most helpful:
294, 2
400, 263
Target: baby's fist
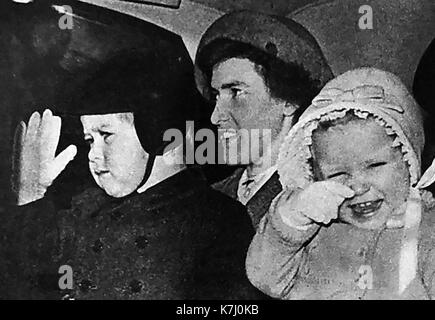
318, 203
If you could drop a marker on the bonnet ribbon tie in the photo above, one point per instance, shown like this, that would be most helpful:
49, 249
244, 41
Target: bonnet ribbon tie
362, 94
408, 264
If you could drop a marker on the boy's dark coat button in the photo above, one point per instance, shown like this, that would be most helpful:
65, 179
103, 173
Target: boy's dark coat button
141, 242
85, 285
98, 246
116, 215
135, 286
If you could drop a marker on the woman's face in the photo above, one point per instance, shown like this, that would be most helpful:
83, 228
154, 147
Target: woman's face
247, 116
117, 160
359, 154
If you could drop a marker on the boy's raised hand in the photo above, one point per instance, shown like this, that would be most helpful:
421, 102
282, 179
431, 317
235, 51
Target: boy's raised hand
34, 165
318, 203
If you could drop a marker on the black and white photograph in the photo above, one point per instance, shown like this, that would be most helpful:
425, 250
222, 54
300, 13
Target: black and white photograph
241, 152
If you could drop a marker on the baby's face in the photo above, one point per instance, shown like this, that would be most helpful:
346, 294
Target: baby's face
360, 155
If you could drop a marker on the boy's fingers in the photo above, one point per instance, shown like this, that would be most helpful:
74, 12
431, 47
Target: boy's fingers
50, 133
60, 162
20, 133
17, 154
33, 128
339, 189
19, 138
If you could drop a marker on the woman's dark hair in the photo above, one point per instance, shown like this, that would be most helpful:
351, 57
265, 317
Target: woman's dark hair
289, 82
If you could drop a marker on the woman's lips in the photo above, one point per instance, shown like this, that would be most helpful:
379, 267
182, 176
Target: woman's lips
101, 172
366, 209
228, 133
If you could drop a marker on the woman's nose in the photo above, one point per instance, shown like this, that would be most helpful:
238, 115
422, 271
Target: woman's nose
219, 115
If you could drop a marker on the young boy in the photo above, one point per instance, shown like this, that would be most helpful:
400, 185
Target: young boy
158, 233
352, 222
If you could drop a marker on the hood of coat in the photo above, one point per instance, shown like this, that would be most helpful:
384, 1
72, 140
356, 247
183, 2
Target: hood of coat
365, 91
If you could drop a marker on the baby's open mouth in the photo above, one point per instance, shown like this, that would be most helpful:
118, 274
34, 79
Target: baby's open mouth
366, 209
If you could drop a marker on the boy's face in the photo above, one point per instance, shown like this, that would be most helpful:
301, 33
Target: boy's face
360, 155
117, 160
243, 101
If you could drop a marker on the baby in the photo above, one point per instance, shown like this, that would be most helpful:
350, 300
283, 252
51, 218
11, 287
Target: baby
353, 221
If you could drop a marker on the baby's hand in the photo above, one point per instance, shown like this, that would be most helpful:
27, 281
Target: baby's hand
318, 203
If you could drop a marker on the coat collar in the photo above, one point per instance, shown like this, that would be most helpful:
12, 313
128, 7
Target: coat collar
177, 187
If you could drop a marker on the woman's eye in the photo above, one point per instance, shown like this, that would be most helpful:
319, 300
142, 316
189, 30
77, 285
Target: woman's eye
89, 141
235, 92
377, 164
336, 174
214, 95
106, 135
